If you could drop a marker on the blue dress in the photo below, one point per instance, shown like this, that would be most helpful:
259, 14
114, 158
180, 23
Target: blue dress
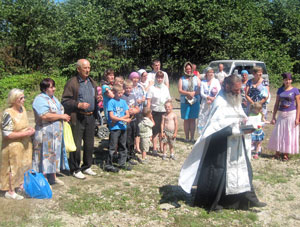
49, 152
189, 111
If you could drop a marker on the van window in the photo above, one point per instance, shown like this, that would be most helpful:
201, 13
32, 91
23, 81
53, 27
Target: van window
249, 68
215, 66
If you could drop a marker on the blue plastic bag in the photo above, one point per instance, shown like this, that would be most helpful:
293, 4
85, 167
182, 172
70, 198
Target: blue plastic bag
36, 185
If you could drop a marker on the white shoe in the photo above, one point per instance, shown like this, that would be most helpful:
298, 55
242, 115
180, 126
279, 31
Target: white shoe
59, 182
89, 171
13, 196
79, 175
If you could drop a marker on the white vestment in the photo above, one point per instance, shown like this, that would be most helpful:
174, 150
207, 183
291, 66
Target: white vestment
221, 116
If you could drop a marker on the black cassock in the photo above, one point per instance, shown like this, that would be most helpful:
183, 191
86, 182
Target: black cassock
211, 182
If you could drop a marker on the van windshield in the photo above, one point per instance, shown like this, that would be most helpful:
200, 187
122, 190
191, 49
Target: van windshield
215, 66
249, 67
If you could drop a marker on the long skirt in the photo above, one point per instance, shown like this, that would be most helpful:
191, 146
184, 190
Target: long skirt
285, 135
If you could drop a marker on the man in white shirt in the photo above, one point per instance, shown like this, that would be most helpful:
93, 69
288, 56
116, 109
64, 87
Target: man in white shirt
155, 68
220, 75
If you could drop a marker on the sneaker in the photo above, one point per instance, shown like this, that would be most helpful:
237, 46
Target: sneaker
59, 182
13, 196
111, 169
164, 157
154, 152
79, 175
126, 167
131, 162
90, 172
172, 157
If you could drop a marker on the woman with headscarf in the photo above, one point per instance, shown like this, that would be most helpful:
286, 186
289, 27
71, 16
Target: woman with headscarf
189, 89
16, 152
210, 88
48, 149
157, 96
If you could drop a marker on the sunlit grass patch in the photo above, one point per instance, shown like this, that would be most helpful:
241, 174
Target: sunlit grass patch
290, 197
271, 178
50, 221
223, 218
114, 198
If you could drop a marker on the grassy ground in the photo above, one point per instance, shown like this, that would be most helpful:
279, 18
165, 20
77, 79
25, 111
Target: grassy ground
150, 196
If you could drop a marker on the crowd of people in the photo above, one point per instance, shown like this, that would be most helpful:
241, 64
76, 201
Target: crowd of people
139, 113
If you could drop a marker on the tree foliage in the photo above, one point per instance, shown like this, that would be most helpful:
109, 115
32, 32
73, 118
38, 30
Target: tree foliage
126, 35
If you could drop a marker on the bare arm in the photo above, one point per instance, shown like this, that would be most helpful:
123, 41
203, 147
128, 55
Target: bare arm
54, 117
275, 110
198, 84
176, 126
248, 97
149, 103
109, 93
162, 126
114, 118
16, 135
183, 92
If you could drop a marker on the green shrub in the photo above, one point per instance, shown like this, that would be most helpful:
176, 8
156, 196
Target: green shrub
276, 79
30, 83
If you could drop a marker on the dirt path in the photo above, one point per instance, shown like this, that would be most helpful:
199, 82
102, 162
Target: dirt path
135, 198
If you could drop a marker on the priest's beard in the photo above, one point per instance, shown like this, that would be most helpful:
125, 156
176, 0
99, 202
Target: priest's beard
234, 100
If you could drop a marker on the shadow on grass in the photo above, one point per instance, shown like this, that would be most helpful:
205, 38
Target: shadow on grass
172, 194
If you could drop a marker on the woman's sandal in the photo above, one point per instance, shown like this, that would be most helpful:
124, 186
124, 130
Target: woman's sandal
285, 158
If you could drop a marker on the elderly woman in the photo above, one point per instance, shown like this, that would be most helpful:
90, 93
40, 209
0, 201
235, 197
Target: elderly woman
16, 152
257, 90
189, 89
157, 96
210, 88
48, 147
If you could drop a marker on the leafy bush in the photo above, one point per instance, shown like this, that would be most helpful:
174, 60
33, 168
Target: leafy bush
276, 79
30, 83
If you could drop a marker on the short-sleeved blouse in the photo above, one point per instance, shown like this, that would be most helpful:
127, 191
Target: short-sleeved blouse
158, 97
258, 93
287, 99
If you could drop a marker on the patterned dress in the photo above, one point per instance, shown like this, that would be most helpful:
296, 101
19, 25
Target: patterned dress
16, 154
258, 93
48, 147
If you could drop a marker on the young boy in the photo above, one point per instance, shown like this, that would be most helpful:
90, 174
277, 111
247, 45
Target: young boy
169, 127
119, 80
132, 132
145, 128
138, 92
107, 93
118, 117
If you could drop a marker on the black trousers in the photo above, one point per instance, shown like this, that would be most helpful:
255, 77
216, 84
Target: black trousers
83, 130
117, 137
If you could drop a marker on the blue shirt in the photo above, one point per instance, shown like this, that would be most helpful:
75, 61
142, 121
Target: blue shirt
86, 93
118, 107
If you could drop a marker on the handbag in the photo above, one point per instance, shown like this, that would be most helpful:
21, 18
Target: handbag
68, 138
36, 185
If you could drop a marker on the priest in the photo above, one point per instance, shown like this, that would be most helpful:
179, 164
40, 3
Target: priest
219, 164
